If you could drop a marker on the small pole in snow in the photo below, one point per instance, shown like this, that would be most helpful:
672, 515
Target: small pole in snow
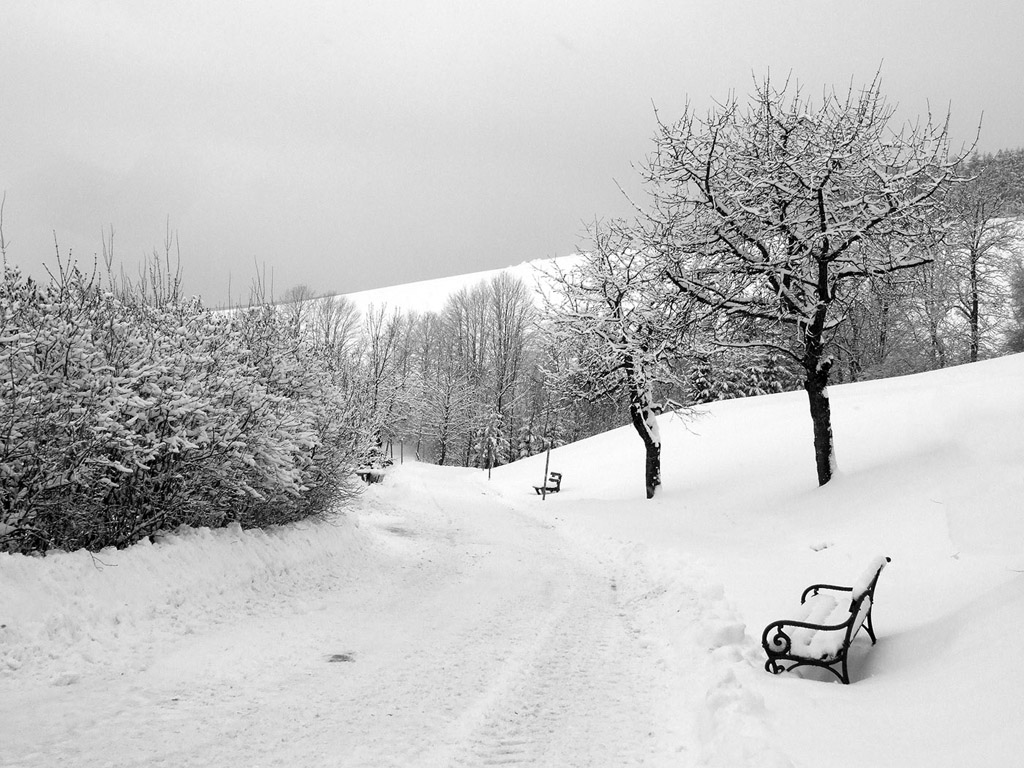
544, 482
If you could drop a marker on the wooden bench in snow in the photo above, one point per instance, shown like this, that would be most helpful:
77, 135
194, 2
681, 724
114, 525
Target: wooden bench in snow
554, 484
830, 619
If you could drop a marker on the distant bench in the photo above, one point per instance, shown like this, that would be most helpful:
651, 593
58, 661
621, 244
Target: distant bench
371, 474
554, 484
822, 636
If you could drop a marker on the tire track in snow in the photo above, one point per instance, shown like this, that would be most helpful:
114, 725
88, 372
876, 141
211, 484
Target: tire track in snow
590, 695
571, 681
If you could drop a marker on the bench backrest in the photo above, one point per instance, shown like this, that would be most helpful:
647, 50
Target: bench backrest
863, 595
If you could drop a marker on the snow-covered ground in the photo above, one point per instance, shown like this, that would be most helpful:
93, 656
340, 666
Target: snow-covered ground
451, 620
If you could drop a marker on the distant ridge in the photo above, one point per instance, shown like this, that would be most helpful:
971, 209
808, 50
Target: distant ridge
431, 295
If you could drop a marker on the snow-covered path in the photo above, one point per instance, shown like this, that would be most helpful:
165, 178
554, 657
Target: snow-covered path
473, 635
454, 620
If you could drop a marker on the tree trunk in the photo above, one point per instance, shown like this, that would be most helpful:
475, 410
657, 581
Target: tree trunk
975, 322
938, 346
816, 384
816, 370
652, 467
644, 421
974, 314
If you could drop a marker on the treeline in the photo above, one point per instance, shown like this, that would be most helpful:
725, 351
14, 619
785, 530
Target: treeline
475, 384
966, 301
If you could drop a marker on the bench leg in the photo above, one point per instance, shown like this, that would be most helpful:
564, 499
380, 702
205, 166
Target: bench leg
869, 627
777, 666
845, 677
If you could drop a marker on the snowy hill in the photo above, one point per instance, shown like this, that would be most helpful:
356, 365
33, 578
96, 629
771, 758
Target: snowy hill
930, 475
431, 295
484, 623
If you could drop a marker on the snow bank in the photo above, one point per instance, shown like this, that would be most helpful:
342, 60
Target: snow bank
64, 613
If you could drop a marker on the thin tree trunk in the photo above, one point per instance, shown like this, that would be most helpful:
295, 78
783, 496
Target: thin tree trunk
938, 347
974, 315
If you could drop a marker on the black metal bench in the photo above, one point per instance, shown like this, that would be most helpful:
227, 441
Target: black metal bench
553, 485
822, 637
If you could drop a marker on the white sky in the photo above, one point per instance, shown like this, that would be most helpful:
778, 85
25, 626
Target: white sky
352, 144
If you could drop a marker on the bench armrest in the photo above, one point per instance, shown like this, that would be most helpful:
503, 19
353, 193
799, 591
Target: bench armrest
779, 643
816, 588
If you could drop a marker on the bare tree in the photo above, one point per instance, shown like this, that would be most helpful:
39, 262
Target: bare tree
297, 306
609, 301
774, 213
465, 323
1015, 331
979, 250
382, 332
930, 309
334, 325
511, 317
3, 239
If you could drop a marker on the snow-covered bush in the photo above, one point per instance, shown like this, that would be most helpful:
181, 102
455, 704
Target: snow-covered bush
121, 418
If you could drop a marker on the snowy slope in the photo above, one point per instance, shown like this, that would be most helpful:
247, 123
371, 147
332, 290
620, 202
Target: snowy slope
431, 295
593, 627
931, 474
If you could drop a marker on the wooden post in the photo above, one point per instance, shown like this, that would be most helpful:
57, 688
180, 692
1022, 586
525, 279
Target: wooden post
544, 482
547, 458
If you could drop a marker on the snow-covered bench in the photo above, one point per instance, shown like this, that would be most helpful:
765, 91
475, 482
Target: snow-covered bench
374, 474
830, 618
554, 484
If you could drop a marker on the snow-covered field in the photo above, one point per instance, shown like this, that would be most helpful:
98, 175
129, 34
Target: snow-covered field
452, 620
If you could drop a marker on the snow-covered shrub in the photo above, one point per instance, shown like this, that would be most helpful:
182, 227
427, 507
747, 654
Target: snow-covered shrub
120, 418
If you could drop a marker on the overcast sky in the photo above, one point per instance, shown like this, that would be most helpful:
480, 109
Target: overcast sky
353, 144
